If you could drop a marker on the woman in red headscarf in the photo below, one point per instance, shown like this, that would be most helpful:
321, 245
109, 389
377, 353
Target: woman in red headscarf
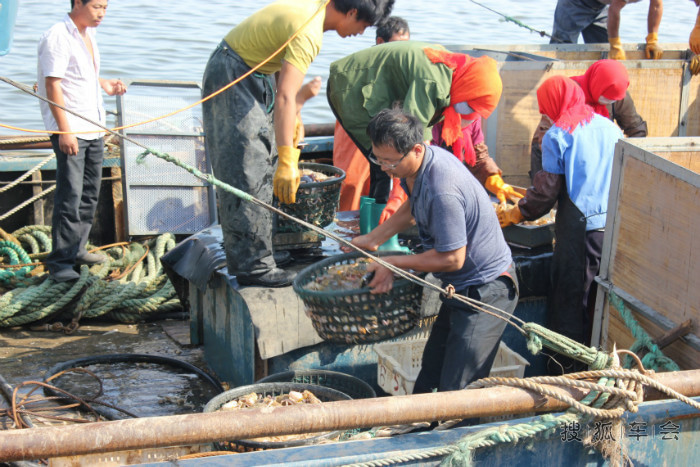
427, 81
460, 132
577, 155
604, 86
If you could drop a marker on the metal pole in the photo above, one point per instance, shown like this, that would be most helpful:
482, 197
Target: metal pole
176, 430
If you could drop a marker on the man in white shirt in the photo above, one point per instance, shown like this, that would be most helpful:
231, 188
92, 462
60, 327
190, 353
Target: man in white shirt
68, 75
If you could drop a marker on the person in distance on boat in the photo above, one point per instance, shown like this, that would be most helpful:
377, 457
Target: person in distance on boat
69, 75
577, 155
463, 247
572, 17
346, 155
430, 82
605, 86
252, 130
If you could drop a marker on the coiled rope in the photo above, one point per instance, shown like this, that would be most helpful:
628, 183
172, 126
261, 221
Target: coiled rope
129, 287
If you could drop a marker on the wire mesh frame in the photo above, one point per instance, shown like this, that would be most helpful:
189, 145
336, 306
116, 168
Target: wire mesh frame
158, 196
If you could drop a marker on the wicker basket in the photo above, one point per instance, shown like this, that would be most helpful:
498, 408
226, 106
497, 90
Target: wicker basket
357, 316
316, 202
348, 384
324, 394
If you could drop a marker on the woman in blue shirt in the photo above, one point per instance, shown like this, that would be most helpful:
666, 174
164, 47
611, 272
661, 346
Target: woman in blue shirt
577, 155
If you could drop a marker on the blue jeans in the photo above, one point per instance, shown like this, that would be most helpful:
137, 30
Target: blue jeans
78, 181
574, 17
463, 341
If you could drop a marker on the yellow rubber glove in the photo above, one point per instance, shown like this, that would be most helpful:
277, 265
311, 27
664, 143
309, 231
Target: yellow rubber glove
287, 177
501, 189
652, 50
695, 65
508, 214
616, 52
298, 132
694, 41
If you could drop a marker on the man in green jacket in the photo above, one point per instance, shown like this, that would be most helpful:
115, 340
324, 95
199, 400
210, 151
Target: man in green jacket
431, 84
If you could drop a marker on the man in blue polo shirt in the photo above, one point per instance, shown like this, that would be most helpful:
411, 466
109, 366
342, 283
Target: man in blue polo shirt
463, 247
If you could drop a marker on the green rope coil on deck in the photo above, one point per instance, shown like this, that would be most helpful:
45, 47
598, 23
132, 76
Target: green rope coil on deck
128, 287
655, 358
17, 255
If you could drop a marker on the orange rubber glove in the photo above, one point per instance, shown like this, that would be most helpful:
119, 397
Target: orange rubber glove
616, 52
694, 40
287, 176
652, 50
508, 214
501, 189
298, 132
396, 198
695, 65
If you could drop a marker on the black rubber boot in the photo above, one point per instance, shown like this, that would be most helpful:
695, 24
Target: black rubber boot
274, 278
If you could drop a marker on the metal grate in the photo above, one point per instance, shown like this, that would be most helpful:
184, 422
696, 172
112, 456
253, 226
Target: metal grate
159, 196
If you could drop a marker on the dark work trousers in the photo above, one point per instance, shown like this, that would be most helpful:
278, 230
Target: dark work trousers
463, 342
586, 17
594, 250
575, 262
78, 181
239, 138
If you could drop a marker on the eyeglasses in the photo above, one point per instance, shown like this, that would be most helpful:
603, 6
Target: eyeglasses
373, 159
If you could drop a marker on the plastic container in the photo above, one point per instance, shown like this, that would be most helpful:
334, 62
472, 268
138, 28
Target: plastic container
399, 363
324, 394
348, 384
8, 14
366, 212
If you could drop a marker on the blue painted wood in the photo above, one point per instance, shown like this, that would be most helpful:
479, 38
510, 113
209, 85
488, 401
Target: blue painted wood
661, 433
227, 332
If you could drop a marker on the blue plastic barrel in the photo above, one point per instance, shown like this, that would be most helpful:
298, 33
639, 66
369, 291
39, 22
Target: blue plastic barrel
8, 14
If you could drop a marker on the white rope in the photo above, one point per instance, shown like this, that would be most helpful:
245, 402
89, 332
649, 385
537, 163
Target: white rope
28, 202
27, 174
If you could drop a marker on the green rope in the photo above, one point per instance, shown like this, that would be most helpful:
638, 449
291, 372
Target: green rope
197, 173
655, 358
539, 336
145, 290
517, 22
16, 255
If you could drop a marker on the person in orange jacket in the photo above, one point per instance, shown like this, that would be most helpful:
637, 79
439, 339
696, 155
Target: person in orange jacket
347, 156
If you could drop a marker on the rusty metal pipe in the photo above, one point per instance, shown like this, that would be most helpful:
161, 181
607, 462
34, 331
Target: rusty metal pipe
176, 430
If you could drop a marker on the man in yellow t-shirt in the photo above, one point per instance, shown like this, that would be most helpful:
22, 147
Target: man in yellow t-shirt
250, 128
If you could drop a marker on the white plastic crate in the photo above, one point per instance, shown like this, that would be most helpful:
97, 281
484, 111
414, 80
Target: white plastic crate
399, 362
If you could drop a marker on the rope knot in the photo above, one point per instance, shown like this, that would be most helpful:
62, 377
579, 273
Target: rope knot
449, 291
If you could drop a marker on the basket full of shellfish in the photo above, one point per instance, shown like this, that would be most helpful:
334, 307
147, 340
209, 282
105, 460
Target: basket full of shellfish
317, 198
341, 307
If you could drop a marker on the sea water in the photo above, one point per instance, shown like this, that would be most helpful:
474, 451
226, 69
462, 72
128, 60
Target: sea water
172, 40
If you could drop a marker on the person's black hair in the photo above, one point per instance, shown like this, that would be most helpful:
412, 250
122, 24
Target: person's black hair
395, 128
390, 26
72, 3
372, 11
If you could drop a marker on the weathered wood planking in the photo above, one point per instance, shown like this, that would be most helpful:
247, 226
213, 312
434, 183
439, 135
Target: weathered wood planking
661, 90
652, 239
685, 356
693, 107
